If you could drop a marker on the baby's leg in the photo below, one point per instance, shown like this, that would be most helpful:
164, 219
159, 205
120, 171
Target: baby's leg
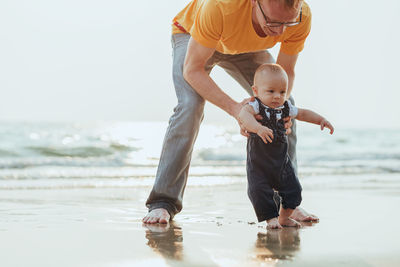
261, 196
273, 223
259, 189
290, 191
285, 220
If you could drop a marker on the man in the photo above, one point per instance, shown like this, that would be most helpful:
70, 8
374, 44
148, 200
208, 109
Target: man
233, 34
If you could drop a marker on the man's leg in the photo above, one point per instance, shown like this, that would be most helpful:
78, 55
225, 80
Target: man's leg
292, 139
165, 199
242, 68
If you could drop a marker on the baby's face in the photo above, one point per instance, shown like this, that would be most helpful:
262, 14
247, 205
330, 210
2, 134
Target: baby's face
271, 90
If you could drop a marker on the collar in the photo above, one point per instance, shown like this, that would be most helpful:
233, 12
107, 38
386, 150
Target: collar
278, 108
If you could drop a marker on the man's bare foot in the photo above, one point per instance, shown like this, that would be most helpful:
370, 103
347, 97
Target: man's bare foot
301, 215
288, 222
273, 224
157, 216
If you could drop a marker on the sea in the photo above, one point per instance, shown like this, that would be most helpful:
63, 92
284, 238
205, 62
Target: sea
126, 154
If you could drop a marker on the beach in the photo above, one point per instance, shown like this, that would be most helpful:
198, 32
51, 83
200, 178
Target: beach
88, 92
102, 227
74, 195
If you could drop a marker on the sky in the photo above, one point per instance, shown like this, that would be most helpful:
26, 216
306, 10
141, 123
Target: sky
109, 60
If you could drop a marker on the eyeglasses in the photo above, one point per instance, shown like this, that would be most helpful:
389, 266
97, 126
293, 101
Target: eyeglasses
279, 24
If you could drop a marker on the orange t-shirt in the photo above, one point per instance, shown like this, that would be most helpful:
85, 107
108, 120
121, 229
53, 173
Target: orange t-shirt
226, 25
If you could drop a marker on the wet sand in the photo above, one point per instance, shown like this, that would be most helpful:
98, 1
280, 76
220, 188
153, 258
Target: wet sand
102, 227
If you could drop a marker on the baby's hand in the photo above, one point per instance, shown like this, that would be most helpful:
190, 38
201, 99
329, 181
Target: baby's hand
324, 123
266, 134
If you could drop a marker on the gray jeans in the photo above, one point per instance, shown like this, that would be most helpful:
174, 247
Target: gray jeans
184, 124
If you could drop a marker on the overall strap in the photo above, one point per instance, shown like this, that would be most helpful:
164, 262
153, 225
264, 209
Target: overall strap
261, 110
281, 131
285, 110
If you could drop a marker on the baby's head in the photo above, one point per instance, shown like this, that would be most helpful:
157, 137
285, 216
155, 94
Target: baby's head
270, 85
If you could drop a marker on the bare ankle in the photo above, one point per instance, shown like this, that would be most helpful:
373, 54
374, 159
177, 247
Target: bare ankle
285, 213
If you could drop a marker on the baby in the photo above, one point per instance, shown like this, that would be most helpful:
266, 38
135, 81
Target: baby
268, 165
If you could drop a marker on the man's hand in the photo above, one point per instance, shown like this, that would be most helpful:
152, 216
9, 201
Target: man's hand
288, 124
324, 123
266, 134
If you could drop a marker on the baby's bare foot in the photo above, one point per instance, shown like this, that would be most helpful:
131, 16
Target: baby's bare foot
301, 215
273, 224
157, 216
289, 222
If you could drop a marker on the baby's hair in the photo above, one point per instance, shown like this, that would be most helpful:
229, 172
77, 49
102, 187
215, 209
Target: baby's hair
269, 68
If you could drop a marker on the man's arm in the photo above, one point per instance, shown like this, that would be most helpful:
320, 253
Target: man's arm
194, 73
312, 117
288, 63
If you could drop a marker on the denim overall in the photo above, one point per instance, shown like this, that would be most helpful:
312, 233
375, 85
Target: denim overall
269, 168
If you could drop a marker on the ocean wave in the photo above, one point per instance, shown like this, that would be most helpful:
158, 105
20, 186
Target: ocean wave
221, 155
316, 170
196, 171
238, 154
123, 148
79, 152
111, 172
119, 150
109, 183
318, 157
33, 162
7, 153
346, 182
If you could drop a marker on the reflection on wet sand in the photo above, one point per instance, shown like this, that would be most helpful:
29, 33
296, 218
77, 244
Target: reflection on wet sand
165, 239
277, 244
271, 246
282, 244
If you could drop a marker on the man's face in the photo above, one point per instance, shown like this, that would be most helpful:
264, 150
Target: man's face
274, 12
